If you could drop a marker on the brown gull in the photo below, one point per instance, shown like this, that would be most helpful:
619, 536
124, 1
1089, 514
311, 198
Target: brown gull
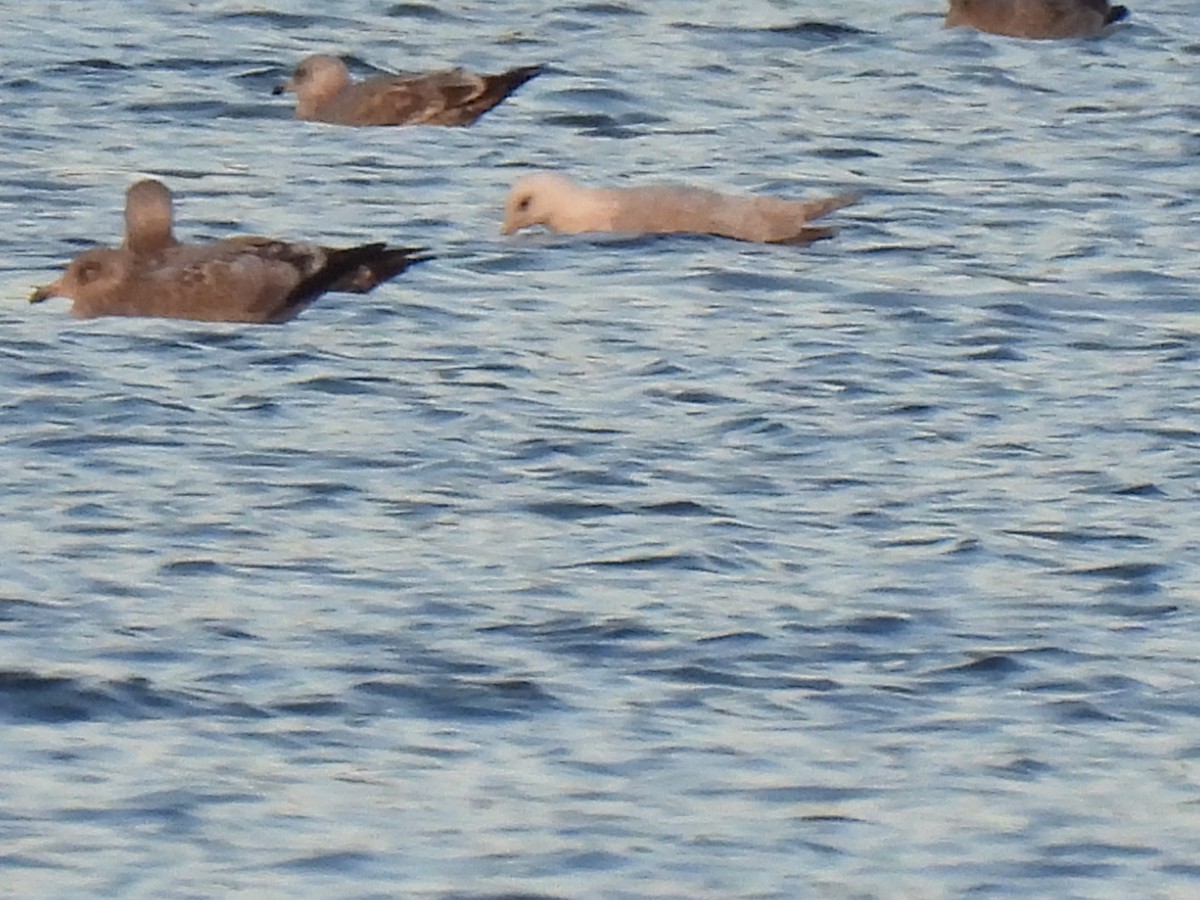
325, 93
243, 279
149, 229
1035, 19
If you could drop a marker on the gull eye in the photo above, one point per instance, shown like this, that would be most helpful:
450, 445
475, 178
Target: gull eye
524, 204
88, 271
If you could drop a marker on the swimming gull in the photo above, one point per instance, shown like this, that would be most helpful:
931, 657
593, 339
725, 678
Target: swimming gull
560, 204
325, 93
149, 230
1036, 19
243, 279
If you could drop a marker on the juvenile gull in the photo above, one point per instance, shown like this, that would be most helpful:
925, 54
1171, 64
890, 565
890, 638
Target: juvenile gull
246, 279
149, 230
560, 204
1036, 19
325, 93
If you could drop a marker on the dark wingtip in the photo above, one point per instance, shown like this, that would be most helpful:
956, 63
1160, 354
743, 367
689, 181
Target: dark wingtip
514, 78
339, 264
1116, 14
391, 262
387, 263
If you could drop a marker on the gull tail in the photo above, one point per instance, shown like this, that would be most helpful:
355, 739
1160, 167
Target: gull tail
497, 88
338, 264
389, 263
814, 209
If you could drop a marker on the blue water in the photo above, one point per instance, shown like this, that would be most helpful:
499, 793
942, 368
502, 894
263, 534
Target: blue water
582, 567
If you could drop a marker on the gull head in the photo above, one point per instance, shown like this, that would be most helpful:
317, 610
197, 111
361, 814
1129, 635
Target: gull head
542, 199
90, 275
319, 76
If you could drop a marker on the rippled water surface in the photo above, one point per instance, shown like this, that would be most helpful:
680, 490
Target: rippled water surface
584, 567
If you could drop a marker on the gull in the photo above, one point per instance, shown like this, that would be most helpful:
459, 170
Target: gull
560, 204
149, 229
325, 93
242, 279
1036, 19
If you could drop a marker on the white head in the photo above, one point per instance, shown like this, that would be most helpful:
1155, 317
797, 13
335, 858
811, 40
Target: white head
317, 79
548, 199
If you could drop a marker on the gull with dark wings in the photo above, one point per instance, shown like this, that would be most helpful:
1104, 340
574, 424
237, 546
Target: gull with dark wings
1036, 19
241, 279
325, 92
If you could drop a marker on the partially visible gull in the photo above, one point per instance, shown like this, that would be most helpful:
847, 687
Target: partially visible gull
325, 93
563, 205
1036, 19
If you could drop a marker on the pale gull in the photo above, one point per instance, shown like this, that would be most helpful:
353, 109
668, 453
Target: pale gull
325, 93
1036, 19
560, 204
246, 279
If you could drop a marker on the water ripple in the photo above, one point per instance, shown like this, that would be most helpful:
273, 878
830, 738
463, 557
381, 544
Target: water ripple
610, 565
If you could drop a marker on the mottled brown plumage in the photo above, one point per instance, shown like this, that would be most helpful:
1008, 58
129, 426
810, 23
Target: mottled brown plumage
1035, 19
325, 93
242, 279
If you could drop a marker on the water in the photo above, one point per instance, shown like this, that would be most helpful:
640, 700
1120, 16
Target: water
607, 567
